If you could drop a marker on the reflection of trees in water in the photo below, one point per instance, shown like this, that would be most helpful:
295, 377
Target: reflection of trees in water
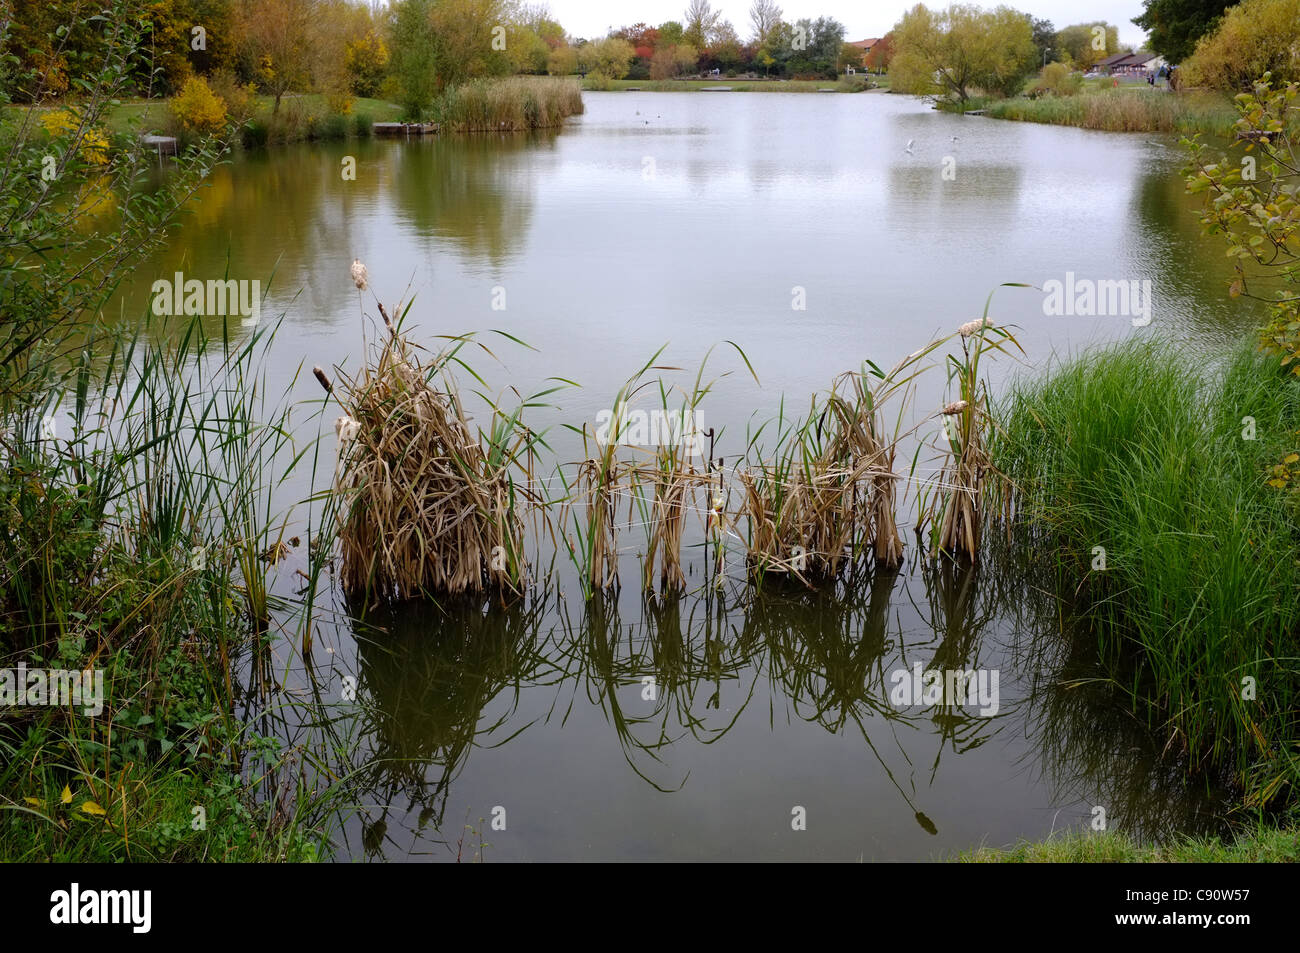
1088, 738
288, 219
962, 603
1193, 273
466, 189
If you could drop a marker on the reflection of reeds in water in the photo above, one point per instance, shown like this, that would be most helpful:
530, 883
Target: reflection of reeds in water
422, 699
432, 506
1088, 739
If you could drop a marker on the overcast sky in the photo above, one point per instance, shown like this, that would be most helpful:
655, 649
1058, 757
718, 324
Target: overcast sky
863, 18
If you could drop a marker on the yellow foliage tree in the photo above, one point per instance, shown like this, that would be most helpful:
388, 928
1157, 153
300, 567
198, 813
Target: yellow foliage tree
1255, 37
198, 108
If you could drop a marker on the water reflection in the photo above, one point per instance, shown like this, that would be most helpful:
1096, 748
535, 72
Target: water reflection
439, 686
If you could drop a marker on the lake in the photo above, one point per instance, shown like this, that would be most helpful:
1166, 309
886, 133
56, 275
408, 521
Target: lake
815, 232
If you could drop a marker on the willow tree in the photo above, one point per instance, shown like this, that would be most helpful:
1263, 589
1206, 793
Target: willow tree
954, 51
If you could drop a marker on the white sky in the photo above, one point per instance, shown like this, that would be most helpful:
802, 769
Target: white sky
863, 18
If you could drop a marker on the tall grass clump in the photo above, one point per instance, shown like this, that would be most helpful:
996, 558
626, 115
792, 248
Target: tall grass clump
515, 104
1144, 473
1125, 110
431, 505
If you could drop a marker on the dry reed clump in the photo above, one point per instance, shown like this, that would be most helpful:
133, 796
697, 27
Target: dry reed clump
830, 496
511, 105
955, 506
427, 508
673, 480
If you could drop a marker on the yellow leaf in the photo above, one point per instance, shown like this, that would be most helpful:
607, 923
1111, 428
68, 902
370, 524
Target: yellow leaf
66, 796
34, 801
1291, 458
90, 807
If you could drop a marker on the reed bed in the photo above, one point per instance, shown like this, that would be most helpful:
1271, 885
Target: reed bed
1134, 469
433, 507
511, 105
1125, 110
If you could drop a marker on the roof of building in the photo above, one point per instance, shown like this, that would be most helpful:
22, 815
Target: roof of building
1127, 59
865, 44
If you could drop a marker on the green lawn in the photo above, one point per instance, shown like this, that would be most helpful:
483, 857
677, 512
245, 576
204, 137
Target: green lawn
146, 116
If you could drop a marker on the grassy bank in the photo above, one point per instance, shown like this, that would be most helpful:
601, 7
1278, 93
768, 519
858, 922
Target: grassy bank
1117, 110
509, 105
134, 527
1262, 846
1144, 472
843, 85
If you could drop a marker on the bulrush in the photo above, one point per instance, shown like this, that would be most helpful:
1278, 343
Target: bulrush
360, 276
974, 327
430, 505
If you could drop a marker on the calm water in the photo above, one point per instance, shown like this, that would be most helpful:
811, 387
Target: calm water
690, 220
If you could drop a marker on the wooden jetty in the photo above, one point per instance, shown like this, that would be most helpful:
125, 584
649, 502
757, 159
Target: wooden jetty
404, 128
166, 145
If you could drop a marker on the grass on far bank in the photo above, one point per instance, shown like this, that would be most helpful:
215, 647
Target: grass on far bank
1263, 846
841, 85
1126, 109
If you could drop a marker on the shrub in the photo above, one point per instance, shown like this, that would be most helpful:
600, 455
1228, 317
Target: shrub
255, 134
1254, 38
198, 108
64, 123
238, 97
366, 61
1058, 79
331, 126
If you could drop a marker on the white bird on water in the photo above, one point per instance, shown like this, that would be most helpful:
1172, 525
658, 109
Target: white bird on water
909, 146
359, 274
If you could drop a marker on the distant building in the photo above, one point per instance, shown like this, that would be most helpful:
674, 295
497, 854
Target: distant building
865, 46
1126, 64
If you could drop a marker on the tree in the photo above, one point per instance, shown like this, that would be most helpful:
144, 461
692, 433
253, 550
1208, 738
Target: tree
764, 15
670, 33
687, 57
414, 60
1174, 26
851, 55
725, 48
1086, 44
279, 38
1253, 38
1257, 213
950, 52
880, 55
1044, 39
563, 61
610, 57
700, 21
